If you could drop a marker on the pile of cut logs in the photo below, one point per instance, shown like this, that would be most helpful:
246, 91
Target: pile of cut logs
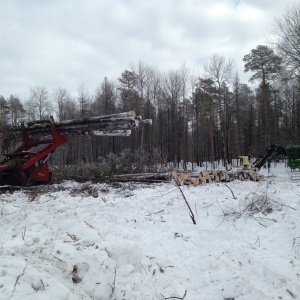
205, 177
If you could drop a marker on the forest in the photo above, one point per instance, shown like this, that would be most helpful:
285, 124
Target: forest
195, 118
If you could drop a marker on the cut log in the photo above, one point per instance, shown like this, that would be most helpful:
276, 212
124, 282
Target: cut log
85, 185
143, 177
196, 181
111, 132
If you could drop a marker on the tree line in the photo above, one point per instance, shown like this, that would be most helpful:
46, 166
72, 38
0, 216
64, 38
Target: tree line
195, 118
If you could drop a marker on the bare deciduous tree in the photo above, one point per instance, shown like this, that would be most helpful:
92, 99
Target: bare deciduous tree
39, 100
61, 97
287, 33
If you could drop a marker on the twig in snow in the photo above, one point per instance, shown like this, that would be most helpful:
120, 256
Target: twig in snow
181, 298
113, 285
224, 214
37, 193
282, 204
294, 296
42, 284
260, 223
23, 233
73, 237
161, 269
169, 192
155, 213
143, 268
103, 263
296, 246
258, 241
234, 197
18, 277
186, 202
58, 258
17, 280
196, 210
267, 219
89, 225
207, 206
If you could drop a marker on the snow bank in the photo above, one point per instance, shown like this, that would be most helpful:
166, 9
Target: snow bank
138, 242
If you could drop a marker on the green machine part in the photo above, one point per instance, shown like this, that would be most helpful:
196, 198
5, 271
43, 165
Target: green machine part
293, 155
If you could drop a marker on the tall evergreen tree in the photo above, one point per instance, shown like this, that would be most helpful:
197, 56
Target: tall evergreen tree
16, 108
128, 81
105, 99
266, 64
83, 100
4, 111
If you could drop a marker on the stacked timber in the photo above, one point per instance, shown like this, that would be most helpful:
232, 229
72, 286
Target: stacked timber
206, 177
113, 125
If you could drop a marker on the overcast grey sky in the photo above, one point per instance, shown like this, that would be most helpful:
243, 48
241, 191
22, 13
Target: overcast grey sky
55, 43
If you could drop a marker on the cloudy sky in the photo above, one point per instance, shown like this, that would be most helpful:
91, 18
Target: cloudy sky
67, 43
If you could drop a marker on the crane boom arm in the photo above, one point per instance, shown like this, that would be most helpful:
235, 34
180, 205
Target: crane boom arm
270, 153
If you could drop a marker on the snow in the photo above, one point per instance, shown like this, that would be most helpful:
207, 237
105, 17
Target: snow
137, 241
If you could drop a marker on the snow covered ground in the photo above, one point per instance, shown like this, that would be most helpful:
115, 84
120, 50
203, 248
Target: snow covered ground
137, 241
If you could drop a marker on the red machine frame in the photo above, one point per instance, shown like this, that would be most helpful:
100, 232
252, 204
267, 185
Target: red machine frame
23, 167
